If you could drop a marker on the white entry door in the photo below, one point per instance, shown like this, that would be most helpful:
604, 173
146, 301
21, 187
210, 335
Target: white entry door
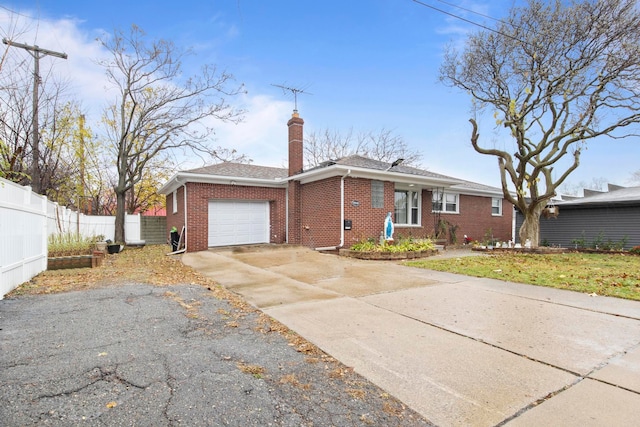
235, 222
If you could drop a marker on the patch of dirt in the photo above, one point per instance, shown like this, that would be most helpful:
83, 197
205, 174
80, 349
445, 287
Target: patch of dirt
148, 264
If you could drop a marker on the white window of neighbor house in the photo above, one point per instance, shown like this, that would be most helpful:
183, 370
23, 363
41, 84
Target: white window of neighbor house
407, 207
175, 201
445, 202
496, 206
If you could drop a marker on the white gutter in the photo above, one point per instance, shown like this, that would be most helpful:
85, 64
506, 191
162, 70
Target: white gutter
332, 248
220, 179
185, 215
360, 172
286, 214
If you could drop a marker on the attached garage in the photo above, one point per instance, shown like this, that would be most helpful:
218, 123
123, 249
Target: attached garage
238, 222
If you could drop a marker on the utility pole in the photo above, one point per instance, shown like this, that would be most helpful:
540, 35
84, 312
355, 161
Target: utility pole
82, 164
37, 53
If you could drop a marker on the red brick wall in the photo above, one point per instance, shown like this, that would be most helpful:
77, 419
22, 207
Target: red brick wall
175, 219
320, 207
474, 217
198, 197
367, 220
295, 125
295, 213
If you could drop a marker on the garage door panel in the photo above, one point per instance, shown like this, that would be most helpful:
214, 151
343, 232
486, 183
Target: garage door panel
238, 222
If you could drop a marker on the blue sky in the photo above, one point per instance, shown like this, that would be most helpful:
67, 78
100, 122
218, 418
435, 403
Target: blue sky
367, 65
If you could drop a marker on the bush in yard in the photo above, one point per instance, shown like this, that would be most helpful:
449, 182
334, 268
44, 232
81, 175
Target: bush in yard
402, 245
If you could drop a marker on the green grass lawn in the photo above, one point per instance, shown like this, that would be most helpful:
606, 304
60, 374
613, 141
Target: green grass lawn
612, 275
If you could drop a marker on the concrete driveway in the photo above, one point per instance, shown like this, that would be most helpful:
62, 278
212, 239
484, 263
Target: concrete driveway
458, 350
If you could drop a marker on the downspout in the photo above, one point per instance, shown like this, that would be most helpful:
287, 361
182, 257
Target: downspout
179, 251
286, 213
333, 248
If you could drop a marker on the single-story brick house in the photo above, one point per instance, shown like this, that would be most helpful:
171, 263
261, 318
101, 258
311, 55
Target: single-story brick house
332, 205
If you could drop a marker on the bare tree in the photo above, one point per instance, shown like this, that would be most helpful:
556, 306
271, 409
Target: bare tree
155, 108
59, 161
388, 147
224, 154
384, 146
15, 122
144, 196
56, 115
556, 74
326, 145
635, 178
597, 184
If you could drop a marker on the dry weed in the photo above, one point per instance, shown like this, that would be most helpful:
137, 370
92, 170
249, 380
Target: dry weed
291, 379
256, 370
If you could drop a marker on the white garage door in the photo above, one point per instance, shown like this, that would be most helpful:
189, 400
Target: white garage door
238, 222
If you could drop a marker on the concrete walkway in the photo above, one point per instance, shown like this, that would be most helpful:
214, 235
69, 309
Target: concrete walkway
458, 350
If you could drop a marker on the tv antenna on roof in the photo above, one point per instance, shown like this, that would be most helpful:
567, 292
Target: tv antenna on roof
295, 91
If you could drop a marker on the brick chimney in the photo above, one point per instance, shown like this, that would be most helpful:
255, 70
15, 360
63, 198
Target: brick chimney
295, 143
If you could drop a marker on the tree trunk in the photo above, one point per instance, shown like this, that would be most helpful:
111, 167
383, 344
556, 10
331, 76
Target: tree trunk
530, 228
120, 215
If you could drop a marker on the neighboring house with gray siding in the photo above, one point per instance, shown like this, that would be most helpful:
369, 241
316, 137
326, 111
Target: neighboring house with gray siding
610, 216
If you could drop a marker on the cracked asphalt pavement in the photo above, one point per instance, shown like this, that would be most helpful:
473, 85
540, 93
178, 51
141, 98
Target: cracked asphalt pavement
166, 356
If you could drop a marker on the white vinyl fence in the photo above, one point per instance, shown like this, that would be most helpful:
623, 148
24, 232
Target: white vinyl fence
26, 221
62, 220
23, 227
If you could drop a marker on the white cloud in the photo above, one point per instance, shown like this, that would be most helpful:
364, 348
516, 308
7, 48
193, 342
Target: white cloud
87, 80
262, 135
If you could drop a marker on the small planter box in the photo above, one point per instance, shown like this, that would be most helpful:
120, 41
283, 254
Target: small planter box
63, 262
441, 242
75, 261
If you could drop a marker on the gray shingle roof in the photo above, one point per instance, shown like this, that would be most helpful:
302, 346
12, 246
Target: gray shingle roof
364, 162
242, 170
619, 195
477, 186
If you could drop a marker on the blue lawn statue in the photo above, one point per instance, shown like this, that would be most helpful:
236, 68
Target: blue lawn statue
388, 227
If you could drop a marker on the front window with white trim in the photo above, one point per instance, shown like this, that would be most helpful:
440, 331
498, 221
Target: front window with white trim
496, 206
407, 207
445, 202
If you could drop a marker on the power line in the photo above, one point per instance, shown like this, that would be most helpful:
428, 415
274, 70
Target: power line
453, 15
471, 11
14, 12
